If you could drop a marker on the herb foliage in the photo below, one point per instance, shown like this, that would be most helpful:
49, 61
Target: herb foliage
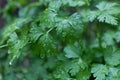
60, 40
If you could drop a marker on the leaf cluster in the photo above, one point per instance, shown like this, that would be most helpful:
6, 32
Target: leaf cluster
60, 40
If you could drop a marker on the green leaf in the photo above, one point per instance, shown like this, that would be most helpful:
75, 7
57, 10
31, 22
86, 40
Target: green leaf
46, 46
35, 33
92, 15
71, 26
117, 36
107, 19
112, 58
61, 74
29, 10
71, 52
83, 75
107, 39
74, 3
14, 26
114, 73
106, 13
99, 71
16, 44
55, 4
75, 66
48, 18
105, 6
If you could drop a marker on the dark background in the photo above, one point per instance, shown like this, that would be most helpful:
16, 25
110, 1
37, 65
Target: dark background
2, 5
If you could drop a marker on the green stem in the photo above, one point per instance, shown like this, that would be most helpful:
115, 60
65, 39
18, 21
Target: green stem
4, 46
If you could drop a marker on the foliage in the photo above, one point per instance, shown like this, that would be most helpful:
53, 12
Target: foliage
60, 40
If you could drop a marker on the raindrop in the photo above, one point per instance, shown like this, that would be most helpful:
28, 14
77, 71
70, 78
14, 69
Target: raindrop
10, 63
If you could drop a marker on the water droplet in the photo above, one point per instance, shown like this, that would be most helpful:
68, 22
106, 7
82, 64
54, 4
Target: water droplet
10, 63
8, 53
